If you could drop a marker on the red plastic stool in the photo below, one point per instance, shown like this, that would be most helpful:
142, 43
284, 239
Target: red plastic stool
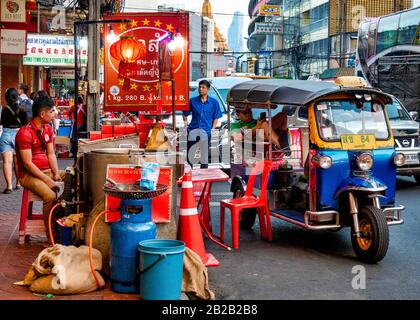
30, 223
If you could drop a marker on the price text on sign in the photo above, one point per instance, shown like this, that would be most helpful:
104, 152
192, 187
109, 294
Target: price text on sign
127, 175
358, 141
145, 89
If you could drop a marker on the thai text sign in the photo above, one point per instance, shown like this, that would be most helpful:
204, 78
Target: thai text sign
358, 141
127, 174
51, 50
268, 28
146, 91
13, 41
268, 9
62, 74
13, 11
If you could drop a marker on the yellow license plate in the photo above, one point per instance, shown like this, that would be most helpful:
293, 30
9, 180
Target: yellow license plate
358, 141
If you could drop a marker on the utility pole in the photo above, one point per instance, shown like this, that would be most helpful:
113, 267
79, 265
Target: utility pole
93, 66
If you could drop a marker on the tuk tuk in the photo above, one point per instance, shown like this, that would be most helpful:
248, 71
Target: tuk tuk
339, 167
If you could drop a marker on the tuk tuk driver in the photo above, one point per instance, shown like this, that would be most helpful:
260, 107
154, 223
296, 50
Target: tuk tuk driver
246, 121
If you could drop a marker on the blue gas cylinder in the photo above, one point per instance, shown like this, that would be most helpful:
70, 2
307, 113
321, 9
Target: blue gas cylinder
135, 225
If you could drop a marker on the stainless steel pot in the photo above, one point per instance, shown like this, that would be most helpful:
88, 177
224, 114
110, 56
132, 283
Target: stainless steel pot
96, 162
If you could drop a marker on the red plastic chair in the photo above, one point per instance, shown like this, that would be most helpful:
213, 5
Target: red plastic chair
249, 201
30, 223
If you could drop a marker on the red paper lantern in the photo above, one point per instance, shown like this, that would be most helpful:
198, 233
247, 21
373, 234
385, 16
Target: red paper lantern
127, 50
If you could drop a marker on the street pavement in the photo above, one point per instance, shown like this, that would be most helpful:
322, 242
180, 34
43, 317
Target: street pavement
298, 264
15, 259
302, 264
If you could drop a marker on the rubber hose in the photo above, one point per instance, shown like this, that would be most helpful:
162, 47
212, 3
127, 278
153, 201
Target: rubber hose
90, 247
49, 223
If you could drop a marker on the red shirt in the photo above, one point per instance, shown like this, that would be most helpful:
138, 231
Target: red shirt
81, 114
27, 139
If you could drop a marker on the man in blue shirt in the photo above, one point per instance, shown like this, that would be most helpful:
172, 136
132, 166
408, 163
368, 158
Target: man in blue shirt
205, 112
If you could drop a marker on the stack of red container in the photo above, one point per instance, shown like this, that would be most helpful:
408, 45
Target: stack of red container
110, 131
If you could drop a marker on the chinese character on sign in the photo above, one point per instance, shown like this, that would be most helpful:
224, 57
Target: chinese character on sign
40, 50
56, 51
63, 51
48, 50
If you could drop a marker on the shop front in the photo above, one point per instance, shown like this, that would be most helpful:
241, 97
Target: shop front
51, 59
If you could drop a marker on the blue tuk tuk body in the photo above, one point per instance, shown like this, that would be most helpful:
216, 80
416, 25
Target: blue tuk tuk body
341, 172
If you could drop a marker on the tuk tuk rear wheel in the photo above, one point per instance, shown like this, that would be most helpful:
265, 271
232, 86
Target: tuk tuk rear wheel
247, 217
372, 246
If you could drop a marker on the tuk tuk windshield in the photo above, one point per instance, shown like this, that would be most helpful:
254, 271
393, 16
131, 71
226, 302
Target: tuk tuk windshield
337, 118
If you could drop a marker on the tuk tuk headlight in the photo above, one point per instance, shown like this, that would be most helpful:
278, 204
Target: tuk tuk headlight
364, 161
323, 162
399, 159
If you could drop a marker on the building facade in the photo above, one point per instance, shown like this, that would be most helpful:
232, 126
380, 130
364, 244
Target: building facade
322, 34
47, 29
265, 40
235, 40
306, 38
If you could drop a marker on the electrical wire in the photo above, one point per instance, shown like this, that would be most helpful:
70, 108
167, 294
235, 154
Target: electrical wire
241, 14
50, 224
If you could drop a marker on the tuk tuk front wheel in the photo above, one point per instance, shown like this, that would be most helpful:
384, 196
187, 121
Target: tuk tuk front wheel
372, 245
247, 217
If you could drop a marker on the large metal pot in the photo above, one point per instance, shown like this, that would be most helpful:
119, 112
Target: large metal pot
96, 162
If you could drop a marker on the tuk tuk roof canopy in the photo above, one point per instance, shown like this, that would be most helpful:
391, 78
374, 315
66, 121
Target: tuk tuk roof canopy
290, 92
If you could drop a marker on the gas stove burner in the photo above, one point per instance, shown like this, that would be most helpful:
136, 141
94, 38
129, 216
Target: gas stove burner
133, 191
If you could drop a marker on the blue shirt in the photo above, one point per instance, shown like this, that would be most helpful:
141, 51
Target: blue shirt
203, 114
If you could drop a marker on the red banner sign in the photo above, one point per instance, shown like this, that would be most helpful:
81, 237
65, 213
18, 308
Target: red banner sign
126, 174
146, 91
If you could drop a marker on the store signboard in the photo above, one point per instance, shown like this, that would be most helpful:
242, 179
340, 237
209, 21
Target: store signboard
62, 74
268, 28
13, 11
145, 91
54, 50
12, 41
269, 10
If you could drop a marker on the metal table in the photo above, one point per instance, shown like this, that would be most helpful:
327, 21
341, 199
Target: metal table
203, 180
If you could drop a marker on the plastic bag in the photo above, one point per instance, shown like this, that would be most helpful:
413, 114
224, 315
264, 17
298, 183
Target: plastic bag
149, 175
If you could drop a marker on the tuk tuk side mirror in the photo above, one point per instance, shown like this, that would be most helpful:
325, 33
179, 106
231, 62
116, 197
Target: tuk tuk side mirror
414, 115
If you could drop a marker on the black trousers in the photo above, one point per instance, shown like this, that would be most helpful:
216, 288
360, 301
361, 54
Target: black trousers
203, 142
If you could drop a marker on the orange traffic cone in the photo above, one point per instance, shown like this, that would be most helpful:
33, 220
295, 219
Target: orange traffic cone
189, 229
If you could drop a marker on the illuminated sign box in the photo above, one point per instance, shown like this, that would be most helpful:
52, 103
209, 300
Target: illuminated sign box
149, 87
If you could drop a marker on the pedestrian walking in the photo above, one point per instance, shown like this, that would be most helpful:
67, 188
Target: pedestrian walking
13, 117
33, 96
205, 112
24, 101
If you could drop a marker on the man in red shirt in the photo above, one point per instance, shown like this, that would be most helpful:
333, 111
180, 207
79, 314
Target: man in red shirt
38, 169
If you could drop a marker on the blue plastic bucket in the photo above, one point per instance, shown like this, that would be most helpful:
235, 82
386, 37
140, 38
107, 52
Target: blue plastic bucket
161, 266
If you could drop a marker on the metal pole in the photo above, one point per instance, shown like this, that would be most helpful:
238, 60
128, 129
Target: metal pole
93, 68
173, 105
76, 91
38, 18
